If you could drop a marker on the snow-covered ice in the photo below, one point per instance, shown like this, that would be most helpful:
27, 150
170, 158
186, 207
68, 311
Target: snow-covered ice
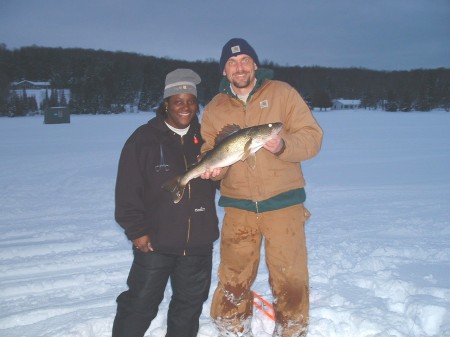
378, 238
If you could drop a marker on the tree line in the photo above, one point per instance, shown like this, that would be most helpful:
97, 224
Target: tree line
106, 82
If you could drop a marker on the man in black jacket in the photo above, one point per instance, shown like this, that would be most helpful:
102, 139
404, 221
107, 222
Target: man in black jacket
170, 241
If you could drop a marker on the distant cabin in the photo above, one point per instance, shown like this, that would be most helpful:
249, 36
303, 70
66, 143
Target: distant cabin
29, 85
40, 90
346, 104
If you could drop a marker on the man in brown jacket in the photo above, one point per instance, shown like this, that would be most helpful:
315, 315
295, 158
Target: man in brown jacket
264, 202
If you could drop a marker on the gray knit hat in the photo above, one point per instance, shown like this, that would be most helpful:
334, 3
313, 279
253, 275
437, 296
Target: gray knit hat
181, 81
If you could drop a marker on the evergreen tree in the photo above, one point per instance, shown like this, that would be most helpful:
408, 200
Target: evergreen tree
368, 100
445, 100
321, 100
406, 103
53, 101
152, 87
62, 101
32, 105
391, 102
18, 106
423, 102
45, 104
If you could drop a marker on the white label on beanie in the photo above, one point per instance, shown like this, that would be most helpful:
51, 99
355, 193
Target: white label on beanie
235, 49
182, 85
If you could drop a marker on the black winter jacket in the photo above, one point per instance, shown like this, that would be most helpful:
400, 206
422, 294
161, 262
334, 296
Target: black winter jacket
152, 155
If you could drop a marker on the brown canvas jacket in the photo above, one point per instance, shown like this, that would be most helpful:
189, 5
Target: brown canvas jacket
273, 101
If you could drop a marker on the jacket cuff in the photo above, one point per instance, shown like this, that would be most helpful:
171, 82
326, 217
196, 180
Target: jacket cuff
282, 148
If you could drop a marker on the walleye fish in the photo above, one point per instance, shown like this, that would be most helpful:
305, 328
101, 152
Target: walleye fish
232, 144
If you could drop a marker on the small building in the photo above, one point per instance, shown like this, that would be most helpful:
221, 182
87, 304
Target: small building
346, 104
21, 85
57, 115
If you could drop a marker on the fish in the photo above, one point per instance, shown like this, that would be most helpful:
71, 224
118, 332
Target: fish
232, 144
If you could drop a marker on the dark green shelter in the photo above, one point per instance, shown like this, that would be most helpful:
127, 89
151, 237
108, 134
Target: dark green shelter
57, 115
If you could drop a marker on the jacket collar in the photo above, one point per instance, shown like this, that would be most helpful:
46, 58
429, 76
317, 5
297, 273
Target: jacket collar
159, 124
262, 74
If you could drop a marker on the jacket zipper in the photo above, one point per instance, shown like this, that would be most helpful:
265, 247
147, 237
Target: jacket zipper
188, 234
189, 197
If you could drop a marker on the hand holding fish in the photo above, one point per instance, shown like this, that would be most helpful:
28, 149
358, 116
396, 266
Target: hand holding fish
275, 145
211, 173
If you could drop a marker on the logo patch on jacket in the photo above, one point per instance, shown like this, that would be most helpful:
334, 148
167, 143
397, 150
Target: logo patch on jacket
264, 104
201, 209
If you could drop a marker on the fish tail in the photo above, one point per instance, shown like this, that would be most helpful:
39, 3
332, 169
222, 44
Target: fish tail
175, 187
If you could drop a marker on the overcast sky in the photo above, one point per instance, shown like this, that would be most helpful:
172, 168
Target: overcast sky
374, 34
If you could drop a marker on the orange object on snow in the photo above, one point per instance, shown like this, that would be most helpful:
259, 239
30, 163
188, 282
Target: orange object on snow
260, 303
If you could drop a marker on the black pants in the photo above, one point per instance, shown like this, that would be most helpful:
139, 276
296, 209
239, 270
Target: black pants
190, 278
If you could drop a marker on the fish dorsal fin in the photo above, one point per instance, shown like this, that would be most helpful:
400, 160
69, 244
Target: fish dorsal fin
227, 131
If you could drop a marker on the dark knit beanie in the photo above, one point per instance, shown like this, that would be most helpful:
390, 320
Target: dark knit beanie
235, 47
181, 81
